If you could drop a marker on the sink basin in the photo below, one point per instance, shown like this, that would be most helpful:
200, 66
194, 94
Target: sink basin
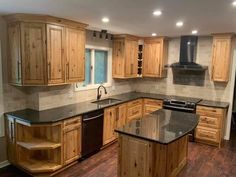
106, 101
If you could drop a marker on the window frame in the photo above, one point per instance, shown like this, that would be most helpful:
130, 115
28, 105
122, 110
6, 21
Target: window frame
79, 87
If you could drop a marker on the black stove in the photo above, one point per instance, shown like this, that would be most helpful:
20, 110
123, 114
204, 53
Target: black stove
184, 104
179, 103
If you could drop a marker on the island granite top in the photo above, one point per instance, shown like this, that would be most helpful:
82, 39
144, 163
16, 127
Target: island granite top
162, 126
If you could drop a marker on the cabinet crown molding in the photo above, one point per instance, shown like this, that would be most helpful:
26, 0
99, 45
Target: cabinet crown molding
22, 17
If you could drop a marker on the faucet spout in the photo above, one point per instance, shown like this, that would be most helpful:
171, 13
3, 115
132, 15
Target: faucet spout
99, 93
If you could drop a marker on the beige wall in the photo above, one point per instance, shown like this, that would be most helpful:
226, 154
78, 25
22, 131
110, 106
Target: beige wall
209, 90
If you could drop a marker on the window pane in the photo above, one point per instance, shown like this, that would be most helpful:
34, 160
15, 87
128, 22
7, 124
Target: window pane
87, 67
100, 67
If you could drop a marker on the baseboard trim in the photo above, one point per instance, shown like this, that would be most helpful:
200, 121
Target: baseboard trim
4, 164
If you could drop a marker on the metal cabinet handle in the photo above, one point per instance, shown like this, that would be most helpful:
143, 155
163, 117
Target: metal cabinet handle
68, 69
11, 131
49, 70
18, 70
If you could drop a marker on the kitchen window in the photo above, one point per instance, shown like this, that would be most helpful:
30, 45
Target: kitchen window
97, 68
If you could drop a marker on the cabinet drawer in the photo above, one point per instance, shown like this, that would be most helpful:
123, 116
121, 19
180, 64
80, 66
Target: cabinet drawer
149, 109
207, 134
210, 111
134, 103
153, 102
212, 122
72, 123
134, 112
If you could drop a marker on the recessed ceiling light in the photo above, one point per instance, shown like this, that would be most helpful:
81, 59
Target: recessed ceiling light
105, 20
179, 23
157, 13
234, 3
154, 34
194, 32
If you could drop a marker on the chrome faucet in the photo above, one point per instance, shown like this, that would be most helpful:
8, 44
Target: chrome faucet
99, 93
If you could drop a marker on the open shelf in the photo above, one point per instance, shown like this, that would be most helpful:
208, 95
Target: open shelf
39, 144
39, 166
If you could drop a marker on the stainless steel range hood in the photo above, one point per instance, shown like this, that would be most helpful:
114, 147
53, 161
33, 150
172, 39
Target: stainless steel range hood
188, 51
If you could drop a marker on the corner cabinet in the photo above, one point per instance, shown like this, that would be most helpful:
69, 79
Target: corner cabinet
43, 149
125, 57
221, 57
45, 50
155, 57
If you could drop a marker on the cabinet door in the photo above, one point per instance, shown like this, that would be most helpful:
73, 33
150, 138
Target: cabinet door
11, 139
72, 144
131, 58
33, 37
151, 59
14, 53
109, 125
134, 157
121, 115
118, 59
55, 54
75, 45
221, 59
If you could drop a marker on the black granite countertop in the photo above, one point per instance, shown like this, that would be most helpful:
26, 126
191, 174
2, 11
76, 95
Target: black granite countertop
57, 114
216, 104
163, 126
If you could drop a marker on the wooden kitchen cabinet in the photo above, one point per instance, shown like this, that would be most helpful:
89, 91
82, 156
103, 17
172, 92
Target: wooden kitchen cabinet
221, 57
56, 54
45, 50
114, 117
11, 139
151, 105
210, 129
75, 64
72, 139
134, 109
125, 57
155, 57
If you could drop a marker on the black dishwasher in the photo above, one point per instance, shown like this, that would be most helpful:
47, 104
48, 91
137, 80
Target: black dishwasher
92, 132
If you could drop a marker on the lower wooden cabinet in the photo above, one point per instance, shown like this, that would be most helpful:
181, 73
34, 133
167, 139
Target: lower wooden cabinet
134, 109
10, 139
114, 117
210, 129
151, 105
72, 139
42, 149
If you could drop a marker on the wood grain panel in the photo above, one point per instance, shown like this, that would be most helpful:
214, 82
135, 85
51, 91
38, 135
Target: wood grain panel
56, 54
14, 53
33, 38
75, 50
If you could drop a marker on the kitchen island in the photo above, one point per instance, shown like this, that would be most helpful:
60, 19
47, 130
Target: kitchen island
155, 145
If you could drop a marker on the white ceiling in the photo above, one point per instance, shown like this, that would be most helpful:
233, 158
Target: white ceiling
135, 16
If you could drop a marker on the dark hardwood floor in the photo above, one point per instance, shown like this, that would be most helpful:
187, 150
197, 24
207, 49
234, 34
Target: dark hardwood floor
203, 161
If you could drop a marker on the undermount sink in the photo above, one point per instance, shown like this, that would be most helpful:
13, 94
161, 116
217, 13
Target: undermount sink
106, 101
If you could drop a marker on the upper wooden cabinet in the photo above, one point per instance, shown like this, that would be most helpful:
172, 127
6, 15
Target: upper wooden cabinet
154, 57
221, 57
75, 63
125, 56
45, 50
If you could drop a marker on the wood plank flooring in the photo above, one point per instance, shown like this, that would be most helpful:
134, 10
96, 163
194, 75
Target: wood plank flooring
203, 161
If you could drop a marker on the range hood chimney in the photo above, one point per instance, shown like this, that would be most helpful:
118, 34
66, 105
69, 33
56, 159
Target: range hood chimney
188, 52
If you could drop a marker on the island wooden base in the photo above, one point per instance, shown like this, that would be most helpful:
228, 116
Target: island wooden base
142, 158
